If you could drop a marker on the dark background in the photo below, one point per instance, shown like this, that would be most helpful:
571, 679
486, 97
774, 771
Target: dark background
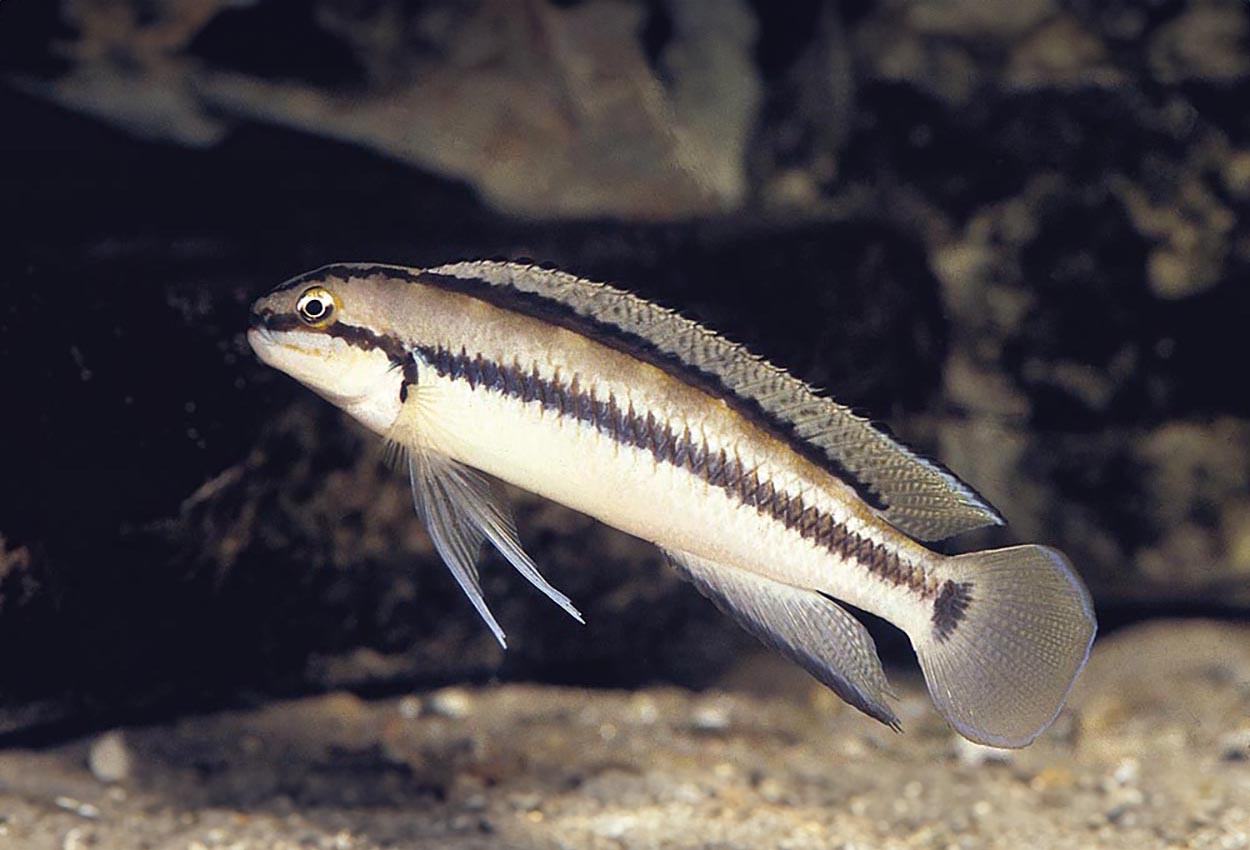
1016, 236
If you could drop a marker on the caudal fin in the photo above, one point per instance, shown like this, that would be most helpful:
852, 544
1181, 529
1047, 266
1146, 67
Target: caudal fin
1010, 632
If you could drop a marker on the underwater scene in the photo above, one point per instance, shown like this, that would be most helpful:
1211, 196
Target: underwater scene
624, 424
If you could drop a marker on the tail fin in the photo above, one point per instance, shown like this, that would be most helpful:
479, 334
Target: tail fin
1011, 631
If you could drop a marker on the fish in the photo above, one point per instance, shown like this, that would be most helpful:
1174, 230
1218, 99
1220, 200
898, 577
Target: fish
778, 504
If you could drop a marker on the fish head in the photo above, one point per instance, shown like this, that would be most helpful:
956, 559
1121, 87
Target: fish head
321, 329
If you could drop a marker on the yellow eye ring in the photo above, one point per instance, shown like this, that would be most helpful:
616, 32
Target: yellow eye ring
317, 307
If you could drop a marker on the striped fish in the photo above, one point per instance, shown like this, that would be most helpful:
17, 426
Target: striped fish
770, 498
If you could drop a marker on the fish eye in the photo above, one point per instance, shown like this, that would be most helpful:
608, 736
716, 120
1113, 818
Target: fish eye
316, 306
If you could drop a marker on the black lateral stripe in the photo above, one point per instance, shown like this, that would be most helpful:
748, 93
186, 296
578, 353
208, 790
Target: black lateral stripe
360, 337
715, 466
510, 298
561, 315
364, 338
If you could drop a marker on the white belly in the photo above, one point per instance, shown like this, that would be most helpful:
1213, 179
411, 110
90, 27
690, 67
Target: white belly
571, 462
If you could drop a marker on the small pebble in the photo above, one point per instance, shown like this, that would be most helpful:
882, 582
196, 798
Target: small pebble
77, 839
463, 823
525, 801
455, 703
1121, 802
1127, 771
109, 758
83, 810
771, 790
977, 755
710, 717
646, 712
688, 793
1235, 746
1053, 780
613, 826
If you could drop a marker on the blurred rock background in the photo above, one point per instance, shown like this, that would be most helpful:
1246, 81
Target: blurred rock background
1013, 231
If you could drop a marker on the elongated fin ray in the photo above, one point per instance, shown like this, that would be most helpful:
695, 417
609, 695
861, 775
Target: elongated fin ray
1011, 631
802, 625
917, 496
461, 508
458, 543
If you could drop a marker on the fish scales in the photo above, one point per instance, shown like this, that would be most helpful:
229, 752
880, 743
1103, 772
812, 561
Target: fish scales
916, 494
773, 500
721, 470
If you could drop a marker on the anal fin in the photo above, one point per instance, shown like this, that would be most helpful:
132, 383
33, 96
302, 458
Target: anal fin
806, 627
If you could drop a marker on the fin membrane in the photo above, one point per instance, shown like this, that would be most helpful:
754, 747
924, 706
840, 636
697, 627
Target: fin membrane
461, 508
806, 627
1011, 631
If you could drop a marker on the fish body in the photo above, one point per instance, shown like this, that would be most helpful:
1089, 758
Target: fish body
773, 500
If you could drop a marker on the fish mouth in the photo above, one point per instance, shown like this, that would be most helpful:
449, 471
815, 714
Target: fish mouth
261, 340
263, 327
259, 331
268, 345
270, 350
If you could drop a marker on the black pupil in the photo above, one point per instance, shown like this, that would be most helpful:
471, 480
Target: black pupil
315, 308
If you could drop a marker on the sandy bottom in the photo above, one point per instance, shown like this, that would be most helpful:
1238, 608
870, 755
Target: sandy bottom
1153, 752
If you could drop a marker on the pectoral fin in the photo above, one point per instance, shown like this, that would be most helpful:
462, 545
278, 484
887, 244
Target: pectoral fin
803, 625
461, 508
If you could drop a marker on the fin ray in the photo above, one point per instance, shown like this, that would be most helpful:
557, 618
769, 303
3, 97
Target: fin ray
806, 627
461, 509
457, 543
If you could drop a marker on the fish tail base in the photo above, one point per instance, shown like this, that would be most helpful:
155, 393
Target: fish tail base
1010, 631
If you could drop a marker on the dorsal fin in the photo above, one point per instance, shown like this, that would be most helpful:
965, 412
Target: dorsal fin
917, 496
